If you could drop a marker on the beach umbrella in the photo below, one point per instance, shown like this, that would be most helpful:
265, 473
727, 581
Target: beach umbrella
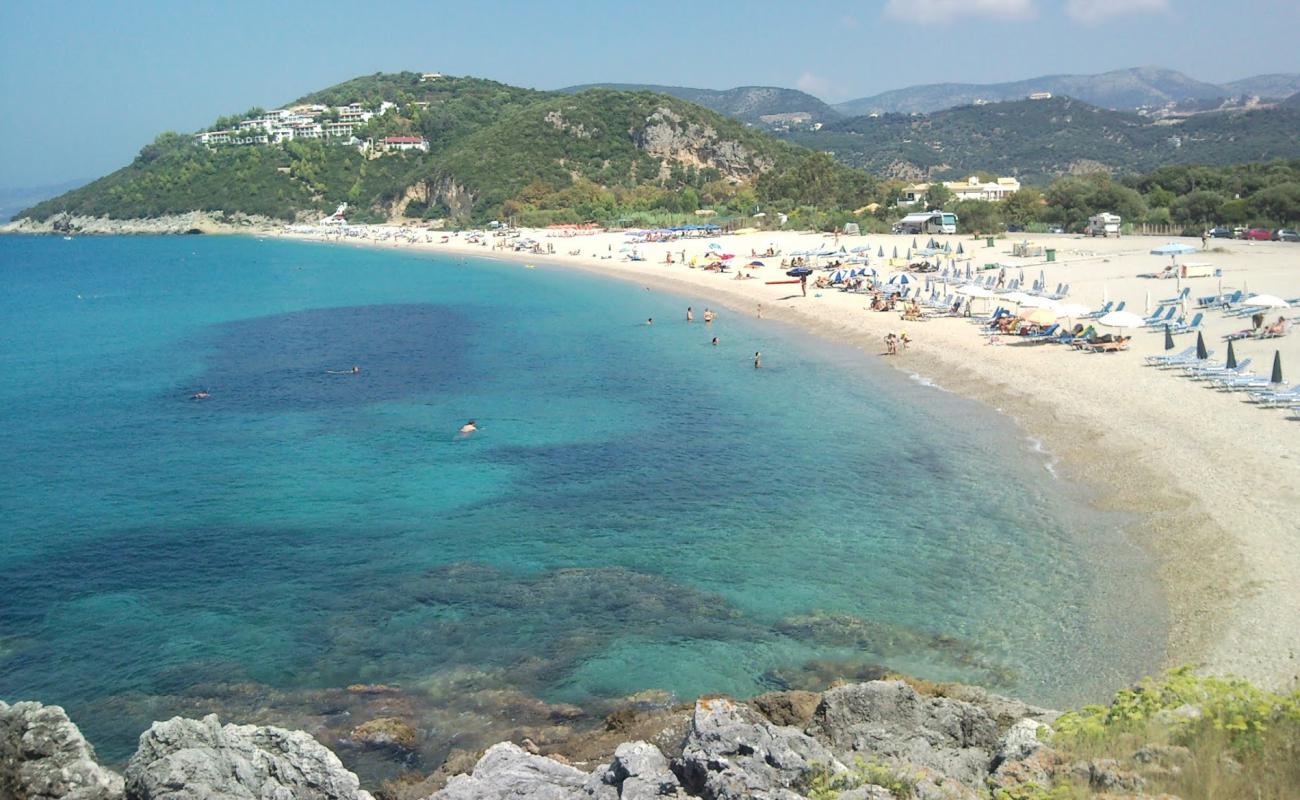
1019, 298
1173, 250
1267, 301
1038, 302
947, 248
1042, 280
901, 279
1232, 356
959, 250
914, 241
1121, 319
1169, 341
1201, 352
969, 274
895, 251
757, 264
909, 254
1038, 316
799, 272
727, 256
1277, 367
974, 291
1022, 276
880, 253
715, 246
1072, 309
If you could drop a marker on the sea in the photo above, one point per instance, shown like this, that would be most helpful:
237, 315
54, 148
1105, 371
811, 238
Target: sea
641, 514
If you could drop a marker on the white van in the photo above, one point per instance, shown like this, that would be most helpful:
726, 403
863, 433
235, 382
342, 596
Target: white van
1104, 225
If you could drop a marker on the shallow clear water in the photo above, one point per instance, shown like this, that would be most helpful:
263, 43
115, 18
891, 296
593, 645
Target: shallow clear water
640, 509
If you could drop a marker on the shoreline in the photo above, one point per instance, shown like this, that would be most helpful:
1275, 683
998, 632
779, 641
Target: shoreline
1222, 615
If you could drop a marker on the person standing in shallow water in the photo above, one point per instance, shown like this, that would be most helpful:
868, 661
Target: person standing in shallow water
758, 360
690, 315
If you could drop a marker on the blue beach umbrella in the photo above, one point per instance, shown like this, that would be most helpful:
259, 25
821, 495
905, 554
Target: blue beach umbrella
909, 254
901, 279
799, 272
1201, 352
1169, 341
895, 252
1232, 355
960, 252
1173, 249
968, 272
914, 241
1277, 367
881, 252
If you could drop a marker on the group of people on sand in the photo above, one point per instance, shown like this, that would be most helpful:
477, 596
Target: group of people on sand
895, 342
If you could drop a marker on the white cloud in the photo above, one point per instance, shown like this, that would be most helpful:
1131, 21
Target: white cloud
931, 12
1091, 12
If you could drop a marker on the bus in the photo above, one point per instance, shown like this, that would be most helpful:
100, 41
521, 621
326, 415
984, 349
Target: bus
927, 222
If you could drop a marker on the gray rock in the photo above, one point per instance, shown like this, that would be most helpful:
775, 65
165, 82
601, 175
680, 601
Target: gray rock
507, 772
186, 759
640, 772
1020, 742
888, 720
44, 756
731, 752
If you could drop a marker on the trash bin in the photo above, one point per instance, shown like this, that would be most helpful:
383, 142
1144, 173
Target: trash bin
988, 241
1051, 255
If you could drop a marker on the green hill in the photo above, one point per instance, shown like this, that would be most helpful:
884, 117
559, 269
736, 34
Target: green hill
492, 149
758, 105
1039, 139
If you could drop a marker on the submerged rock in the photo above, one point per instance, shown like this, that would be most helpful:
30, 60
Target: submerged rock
888, 720
732, 752
43, 755
185, 759
386, 733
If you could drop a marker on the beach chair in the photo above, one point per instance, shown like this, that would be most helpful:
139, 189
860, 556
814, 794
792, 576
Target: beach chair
1185, 327
1153, 361
1156, 320
1274, 398
1189, 361
1062, 290
1046, 333
1244, 383
1209, 372
1187, 290
1101, 312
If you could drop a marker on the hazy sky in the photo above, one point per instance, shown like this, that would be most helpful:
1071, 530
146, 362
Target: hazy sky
85, 84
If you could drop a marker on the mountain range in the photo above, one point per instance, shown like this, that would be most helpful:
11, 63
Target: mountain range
1040, 139
767, 106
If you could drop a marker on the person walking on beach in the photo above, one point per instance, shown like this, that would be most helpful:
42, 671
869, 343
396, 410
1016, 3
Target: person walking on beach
803, 284
1205, 240
758, 360
690, 315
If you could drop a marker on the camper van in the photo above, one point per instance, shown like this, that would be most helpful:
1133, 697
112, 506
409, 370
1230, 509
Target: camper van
1104, 225
927, 222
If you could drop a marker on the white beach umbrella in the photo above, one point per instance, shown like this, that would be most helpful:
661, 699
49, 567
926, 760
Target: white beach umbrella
974, 291
1072, 309
1266, 300
1121, 319
1038, 302
1019, 298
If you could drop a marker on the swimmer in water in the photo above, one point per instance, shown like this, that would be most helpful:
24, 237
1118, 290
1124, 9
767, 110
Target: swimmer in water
202, 394
650, 321
715, 341
356, 370
469, 427
758, 360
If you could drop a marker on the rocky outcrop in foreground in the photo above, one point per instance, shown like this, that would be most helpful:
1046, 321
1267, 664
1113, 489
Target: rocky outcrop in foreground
866, 741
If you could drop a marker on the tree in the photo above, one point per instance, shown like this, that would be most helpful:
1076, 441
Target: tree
1196, 208
937, 196
977, 216
1023, 207
1279, 203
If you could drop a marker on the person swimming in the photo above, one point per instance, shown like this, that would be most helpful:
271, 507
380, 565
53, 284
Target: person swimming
715, 341
469, 427
201, 394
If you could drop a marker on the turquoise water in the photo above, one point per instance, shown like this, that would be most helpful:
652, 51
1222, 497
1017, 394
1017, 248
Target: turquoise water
640, 509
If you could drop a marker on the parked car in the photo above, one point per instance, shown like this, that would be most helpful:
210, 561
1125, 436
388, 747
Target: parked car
1220, 233
1258, 234
1056, 229
1286, 235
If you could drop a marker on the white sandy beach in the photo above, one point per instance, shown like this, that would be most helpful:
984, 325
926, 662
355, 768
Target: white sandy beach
1214, 480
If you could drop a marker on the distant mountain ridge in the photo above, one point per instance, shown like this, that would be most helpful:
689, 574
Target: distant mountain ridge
1124, 89
1040, 139
745, 103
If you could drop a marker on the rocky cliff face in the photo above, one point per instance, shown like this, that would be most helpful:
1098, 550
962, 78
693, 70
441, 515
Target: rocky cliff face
870, 741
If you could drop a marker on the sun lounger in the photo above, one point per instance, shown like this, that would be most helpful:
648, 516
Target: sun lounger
1273, 398
1108, 347
1189, 361
1165, 359
1101, 312
1187, 327
1178, 298
1213, 371
1245, 382
1156, 320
